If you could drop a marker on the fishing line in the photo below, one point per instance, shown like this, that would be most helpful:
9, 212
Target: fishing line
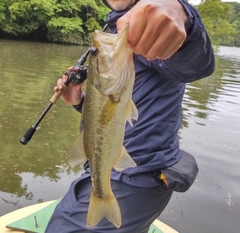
182, 214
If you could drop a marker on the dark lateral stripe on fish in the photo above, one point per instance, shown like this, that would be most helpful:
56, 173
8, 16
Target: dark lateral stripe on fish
97, 184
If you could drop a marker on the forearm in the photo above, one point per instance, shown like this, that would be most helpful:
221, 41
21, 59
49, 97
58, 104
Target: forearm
195, 58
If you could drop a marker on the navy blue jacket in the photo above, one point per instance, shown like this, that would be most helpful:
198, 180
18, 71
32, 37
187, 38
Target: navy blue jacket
159, 87
158, 91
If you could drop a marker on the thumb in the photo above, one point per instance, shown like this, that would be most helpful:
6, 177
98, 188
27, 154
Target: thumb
123, 21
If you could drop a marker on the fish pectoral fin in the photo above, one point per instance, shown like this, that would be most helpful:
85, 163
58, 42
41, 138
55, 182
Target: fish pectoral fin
76, 155
100, 207
132, 112
124, 162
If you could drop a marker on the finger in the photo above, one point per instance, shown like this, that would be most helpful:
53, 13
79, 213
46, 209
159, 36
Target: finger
167, 43
123, 21
150, 34
60, 83
137, 26
171, 48
64, 78
163, 50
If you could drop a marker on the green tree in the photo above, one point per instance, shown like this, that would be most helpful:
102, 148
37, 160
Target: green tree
2, 11
67, 21
24, 17
236, 20
68, 24
217, 17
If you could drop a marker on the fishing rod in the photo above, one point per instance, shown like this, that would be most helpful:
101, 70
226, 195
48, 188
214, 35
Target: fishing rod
77, 75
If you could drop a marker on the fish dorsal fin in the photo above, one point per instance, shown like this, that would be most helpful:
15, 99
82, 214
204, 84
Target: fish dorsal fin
124, 162
76, 154
132, 112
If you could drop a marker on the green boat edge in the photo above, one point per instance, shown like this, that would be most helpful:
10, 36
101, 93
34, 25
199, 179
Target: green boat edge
36, 222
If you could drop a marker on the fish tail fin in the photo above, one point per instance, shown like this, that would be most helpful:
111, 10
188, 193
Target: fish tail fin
103, 207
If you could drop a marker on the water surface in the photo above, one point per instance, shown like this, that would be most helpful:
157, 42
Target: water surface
211, 132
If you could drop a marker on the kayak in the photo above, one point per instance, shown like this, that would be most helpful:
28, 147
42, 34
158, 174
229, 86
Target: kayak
34, 219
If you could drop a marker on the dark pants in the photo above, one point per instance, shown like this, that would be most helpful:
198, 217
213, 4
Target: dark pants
140, 206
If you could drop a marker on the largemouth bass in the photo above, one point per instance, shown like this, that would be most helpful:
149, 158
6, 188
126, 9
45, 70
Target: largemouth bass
107, 107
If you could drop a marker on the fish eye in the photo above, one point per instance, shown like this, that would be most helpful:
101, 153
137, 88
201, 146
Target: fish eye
94, 51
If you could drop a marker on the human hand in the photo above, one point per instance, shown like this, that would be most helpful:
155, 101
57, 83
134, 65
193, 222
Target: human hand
72, 93
156, 28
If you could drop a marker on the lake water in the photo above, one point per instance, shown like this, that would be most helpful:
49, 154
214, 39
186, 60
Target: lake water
39, 171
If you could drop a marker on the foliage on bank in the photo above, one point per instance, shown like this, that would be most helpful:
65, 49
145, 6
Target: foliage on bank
72, 21
64, 21
222, 21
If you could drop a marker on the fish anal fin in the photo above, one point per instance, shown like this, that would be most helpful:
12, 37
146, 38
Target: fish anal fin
100, 207
76, 155
124, 162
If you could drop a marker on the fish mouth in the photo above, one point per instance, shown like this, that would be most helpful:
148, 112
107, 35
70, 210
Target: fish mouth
110, 44
111, 60
111, 48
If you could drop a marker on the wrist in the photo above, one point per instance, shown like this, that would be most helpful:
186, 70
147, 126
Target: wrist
184, 14
78, 107
188, 14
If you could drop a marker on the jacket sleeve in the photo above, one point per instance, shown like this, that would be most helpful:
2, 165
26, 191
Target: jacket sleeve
195, 59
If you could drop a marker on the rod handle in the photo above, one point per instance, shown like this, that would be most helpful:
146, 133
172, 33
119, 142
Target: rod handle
28, 135
57, 94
